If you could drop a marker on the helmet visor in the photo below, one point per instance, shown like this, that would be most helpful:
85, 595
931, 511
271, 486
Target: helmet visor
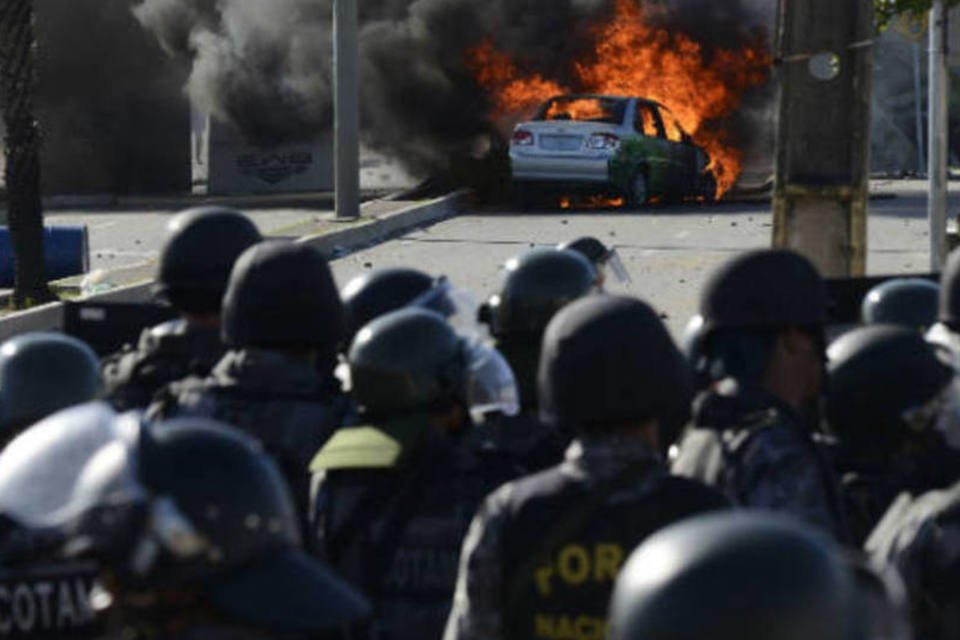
616, 266
39, 469
490, 384
457, 305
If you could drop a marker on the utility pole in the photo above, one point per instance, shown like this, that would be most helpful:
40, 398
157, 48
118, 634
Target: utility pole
938, 91
825, 56
22, 148
346, 61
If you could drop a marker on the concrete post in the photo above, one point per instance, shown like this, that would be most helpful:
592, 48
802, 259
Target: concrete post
347, 108
824, 51
937, 137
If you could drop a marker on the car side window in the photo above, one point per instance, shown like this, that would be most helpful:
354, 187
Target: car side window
674, 132
647, 121
643, 121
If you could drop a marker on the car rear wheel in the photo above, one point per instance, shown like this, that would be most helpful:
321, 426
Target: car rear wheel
638, 193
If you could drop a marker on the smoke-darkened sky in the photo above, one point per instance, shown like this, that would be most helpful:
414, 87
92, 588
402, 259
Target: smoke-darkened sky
266, 65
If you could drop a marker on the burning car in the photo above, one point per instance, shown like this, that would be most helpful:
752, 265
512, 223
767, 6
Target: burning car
629, 146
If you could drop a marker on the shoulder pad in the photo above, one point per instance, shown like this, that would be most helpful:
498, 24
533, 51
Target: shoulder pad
369, 447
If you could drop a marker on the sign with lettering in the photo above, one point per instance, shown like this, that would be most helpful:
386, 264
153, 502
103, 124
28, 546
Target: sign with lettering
47, 601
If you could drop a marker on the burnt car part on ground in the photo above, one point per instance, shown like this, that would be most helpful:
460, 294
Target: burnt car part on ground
621, 147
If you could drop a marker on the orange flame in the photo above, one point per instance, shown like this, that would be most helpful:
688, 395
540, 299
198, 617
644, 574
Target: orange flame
591, 202
632, 57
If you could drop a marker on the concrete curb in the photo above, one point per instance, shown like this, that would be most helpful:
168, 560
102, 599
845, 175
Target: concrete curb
337, 243
334, 244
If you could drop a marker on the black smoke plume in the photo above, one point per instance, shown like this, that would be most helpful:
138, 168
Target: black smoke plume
266, 65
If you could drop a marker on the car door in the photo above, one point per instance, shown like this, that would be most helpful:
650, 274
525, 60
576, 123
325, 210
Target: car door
685, 171
658, 159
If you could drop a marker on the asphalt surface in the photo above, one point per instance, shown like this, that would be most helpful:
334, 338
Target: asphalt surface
669, 252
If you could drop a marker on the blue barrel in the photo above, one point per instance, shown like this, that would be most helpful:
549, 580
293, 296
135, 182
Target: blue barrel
66, 249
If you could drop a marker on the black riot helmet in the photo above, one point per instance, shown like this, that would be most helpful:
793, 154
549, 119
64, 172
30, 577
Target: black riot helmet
41, 373
764, 289
950, 292
537, 284
736, 576
608, 362
589, 247
908, 302
882, 379
201, 246
599, 255
282, 296
188, 506
372, 294
411, 361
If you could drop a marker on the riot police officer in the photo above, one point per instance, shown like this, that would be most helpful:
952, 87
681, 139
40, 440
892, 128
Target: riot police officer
748, 576
537, 284
282, 321
602, 257
193, 530
200, 249
763, 314
371, 295
908, 302
393, 495
919, 535
543, 551
886, 399
41, 373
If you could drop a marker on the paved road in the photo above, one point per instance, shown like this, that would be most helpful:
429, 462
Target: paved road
669, 252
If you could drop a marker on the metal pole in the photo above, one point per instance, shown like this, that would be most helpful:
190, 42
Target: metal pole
918, 103
937, 137
347, 108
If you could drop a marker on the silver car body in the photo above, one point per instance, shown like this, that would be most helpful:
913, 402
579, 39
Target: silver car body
561, 150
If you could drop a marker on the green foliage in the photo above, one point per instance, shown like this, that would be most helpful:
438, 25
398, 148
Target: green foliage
886, 10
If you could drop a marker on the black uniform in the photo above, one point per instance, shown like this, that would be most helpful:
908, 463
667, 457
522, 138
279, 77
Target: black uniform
392, 521
165, 353
283, 402
543, 552
758, 451
394, 496
920, 537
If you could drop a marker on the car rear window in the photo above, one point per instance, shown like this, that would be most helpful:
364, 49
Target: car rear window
585, 109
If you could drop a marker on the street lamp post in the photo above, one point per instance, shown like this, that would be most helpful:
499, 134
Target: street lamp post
347, 108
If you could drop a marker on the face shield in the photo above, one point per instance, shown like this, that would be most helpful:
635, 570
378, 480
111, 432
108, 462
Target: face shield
40, 468
457, 305
614, 264
489, 383
77, 472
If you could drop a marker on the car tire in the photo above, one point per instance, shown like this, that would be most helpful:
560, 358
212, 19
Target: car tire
638, 191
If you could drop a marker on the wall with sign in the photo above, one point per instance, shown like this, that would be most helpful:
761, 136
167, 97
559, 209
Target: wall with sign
225, 164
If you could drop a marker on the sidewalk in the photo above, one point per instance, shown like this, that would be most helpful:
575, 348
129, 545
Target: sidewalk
130, 273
